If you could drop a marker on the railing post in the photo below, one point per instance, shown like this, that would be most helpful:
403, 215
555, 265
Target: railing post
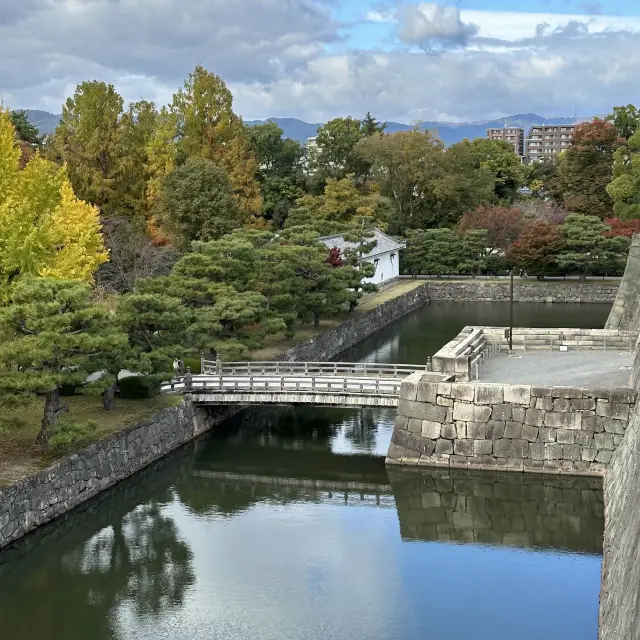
335, 368
377, 386
249, 369
429, 363
188, 383
344, 381
218, 364
306, 370
202, 362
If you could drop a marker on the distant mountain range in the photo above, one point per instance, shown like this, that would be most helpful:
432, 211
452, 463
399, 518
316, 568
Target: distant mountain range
299, 130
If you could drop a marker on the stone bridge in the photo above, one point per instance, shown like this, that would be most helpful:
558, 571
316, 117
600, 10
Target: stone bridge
345, 384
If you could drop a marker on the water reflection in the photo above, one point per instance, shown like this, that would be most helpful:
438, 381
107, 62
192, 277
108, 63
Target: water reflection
521, 510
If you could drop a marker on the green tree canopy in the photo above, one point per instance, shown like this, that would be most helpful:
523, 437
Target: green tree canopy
624, 189
25, 131
625, 119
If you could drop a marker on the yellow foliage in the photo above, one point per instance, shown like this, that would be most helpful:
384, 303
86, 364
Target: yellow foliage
44, 229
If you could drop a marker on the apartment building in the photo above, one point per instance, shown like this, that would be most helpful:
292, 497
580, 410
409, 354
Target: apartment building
546, 141
513, 135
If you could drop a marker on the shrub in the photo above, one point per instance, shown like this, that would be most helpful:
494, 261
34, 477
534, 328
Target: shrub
138, 387
194, 364
68, 433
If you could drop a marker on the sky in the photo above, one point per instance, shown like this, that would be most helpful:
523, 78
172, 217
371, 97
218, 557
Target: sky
402, 60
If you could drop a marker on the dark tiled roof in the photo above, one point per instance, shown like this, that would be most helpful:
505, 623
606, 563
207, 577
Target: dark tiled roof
384, 243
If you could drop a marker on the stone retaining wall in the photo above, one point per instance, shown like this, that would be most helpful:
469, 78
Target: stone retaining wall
625, 313
39, 498
330, 343
509, 427
524, 291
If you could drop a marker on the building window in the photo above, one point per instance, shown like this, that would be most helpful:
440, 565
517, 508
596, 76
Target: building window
392, 256
375, 263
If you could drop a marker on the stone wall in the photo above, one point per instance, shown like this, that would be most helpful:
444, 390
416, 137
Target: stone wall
330, 343
509, 427
524, 291
39, 498
625, 313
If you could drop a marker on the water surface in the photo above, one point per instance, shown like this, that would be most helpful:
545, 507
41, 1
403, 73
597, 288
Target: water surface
286, 525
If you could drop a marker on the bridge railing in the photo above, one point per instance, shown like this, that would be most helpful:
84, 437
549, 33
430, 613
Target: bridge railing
217, 367
285, 384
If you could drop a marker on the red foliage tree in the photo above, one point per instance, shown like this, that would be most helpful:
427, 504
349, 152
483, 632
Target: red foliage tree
624, 228
504, 224
585, 169
536, 249
335, 257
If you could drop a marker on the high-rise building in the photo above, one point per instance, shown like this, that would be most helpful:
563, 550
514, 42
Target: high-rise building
547, 141
513, 135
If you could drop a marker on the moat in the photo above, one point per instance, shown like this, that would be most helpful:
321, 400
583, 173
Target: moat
285, 524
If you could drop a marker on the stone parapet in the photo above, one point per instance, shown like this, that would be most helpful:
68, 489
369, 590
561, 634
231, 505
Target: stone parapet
525, 291
509, 427
625, 313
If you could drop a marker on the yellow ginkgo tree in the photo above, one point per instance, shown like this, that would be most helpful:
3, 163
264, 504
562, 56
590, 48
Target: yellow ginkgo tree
44, 229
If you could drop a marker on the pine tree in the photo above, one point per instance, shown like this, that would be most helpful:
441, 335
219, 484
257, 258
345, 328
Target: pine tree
55, 336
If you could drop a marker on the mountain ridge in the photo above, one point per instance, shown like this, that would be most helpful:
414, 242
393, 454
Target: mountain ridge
450, 132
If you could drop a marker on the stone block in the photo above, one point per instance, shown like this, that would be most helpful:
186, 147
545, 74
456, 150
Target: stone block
589, 454
529, 433
552, 466
605, 394
603, 441
518, 414
482, 447
501, 412
541, 392
489, 394
589, 421
626, 396
597, 468
567, 392
519, 449
517, 394
566, 436
444, 389
465, 392
471, 412
534, 417
617, 440
427, 392
547, 434
563, 420
583, 404
422, 410
561, 404
402, 422
552, 451
444, 402
448, 431
458, 462
581, 467
431, 429
583, 438
463, 447
495, 429
615, 426
536, 451
533, 466
409, 388
514, 464
604, 456
502, 448
544, 404
444, 447
572, 451
513, 430
415, 425
476, 430
461, 430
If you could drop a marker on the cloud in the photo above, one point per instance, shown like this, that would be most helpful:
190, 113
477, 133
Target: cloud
433, 27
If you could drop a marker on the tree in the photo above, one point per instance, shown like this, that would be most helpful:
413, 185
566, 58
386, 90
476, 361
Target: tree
626, 120
587, 249
585, 169
44, 229
625, 228
25, 131
505, 166
208, 128
55, 336
442, 252
502, 224
371, 127
87, 140
336, 141
536, 250
473, 251
624, 189
539, 177
413, 256
196, 202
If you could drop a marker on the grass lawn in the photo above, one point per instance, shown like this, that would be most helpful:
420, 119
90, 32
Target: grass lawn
20, 456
